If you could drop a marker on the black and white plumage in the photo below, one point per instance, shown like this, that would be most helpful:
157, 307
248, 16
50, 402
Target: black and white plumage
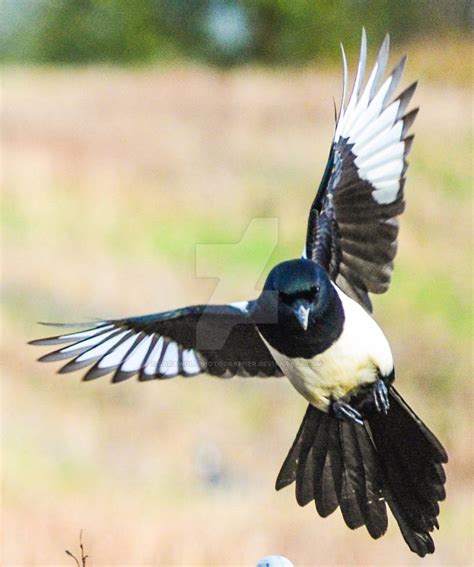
352, 227
360, 446
220, 340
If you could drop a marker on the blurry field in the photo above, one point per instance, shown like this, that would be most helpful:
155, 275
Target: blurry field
111, 177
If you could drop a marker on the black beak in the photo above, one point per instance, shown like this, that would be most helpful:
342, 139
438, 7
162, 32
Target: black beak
301, 311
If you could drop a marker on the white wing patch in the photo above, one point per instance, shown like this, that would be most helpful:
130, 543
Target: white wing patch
374, 126
102, 348
240, 305
169, 366
152, 361
109, 348
115, 358
82, 344
134, 360
191, 364
83, 334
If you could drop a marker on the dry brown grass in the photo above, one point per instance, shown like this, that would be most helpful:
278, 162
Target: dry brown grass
111, 177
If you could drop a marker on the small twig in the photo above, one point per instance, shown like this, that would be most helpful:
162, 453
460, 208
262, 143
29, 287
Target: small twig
83, 557
74, 557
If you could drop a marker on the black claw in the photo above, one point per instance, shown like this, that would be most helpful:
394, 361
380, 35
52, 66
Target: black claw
381, 400
344, 411
376, 400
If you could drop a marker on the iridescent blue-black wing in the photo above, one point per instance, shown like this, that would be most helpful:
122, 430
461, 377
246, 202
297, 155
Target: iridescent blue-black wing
353, 226
220, 340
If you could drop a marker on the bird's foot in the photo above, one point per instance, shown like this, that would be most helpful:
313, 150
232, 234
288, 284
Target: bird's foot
380, 394
369, 399
346, 412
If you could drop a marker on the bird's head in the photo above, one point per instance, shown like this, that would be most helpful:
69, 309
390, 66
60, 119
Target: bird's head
298, 291
299, 309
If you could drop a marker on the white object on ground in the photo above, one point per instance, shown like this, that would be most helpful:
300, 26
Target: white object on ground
274, 561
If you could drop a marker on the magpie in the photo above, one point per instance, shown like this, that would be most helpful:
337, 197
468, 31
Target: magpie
360, 447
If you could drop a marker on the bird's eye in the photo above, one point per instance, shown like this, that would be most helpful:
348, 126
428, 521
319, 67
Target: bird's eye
286, 298
309, 295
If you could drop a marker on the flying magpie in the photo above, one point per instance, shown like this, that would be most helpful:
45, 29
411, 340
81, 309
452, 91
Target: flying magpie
360, 446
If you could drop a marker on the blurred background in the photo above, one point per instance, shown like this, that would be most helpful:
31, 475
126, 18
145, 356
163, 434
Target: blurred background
132, 132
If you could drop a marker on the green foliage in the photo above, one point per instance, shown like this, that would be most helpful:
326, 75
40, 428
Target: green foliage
219, 32
86, 31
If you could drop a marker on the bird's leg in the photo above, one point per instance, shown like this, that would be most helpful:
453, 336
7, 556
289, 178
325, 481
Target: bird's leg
368, 399
343, 410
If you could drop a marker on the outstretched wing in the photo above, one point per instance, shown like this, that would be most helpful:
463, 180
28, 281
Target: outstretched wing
217, 339
352, 227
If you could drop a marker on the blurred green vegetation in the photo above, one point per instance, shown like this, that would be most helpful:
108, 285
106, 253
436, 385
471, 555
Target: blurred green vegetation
221, 32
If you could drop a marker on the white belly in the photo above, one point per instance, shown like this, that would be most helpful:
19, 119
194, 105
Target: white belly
354, 359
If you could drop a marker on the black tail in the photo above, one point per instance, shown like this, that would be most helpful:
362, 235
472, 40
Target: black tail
393, 458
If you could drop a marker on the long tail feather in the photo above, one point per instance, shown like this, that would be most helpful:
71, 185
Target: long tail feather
411, 458
393, 459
